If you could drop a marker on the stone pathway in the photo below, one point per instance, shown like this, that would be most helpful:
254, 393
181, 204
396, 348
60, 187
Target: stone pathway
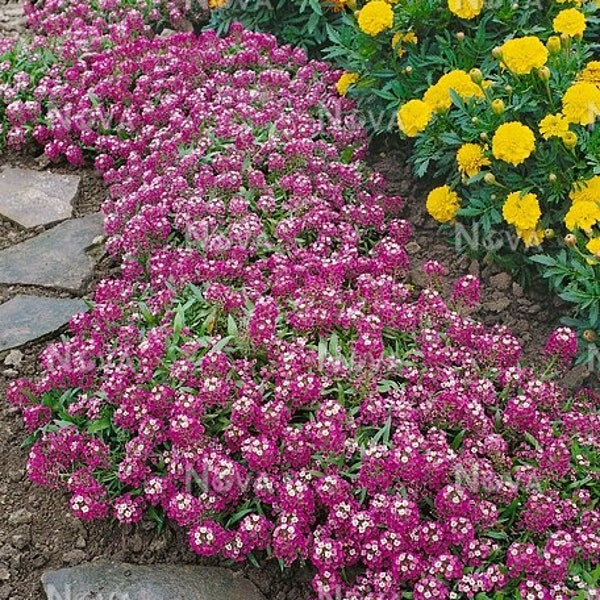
121, 581
60, 259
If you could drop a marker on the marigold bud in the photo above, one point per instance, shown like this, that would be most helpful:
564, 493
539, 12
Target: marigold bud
549, 233
544, 73
476, 75
570, 240
497, 52
489, 178
483, 136
474, 120
570, 139
460, 36
408, 70
498, 106
589, 335
552, 178
508, 89
553, 44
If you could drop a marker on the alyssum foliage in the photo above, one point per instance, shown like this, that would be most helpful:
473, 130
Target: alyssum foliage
261, 373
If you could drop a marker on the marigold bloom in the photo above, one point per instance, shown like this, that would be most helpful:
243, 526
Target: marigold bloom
591, 72
513, 143
521, 55
593, 247
553, 126
375, 16
438, 95
522, 211
586, 191
465, 9
413, 117
344, 82
471, 159
569, 22
399, 37
581, 103
582, 215
531, 237
442, 203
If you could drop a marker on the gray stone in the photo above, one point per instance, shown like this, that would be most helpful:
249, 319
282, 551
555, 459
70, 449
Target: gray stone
155, 582
27, 318
31, 198
4, 574
13, 358
56, 258
20, 517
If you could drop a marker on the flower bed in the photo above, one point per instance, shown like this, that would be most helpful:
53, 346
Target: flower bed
261, 373
501, 98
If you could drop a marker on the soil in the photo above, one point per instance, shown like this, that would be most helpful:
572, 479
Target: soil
36, 530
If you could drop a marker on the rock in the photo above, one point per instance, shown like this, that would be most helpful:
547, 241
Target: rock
474, 268
14, 358
4, 574
575, 377
74, 557
502, 281
498, 305
517, 290
31, 198
6, 593
156, 582
412, 247
27, 318
80, 542
20, 541
15, 475
10, 373
56, 258
20, 517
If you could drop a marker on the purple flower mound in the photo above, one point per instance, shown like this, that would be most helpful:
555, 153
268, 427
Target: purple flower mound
261, 373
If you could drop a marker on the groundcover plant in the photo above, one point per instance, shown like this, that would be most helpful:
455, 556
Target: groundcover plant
261, 373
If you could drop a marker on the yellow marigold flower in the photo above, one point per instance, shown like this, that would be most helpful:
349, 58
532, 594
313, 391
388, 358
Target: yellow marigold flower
569, 22
521, 55
591, 72
465, 9
513, 143
399, 37
442, 203
438, 95
413, 117
593, 247
471, 159
531, 237
553, 126
344, 82
581, 103
375, 16
582, 215
586, 191
522, 211
214, 4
